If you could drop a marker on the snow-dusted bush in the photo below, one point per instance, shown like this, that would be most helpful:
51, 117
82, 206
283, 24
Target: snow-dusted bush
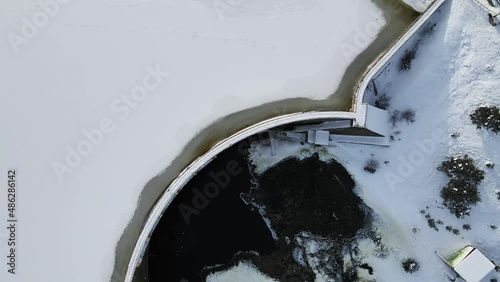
408, 115
462, 168
453, 230
407, 59
371, 166
490, 165
395, 117
431, 221
383, 102
487, 117
458, 196
466, 227
461, 191
410, 265
498, 195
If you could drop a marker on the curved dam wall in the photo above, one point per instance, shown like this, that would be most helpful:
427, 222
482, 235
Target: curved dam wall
366, 87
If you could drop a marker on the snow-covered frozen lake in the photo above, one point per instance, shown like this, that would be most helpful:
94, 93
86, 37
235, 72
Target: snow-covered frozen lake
101, 96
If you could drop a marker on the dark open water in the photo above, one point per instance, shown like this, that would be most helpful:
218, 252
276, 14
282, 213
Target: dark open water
226, 226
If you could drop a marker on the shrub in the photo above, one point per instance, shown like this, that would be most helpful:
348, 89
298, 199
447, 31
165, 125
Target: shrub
461, 191
449, 228
432, 224
494, 227
455, 135
466, 227
407, 59
383, 102
498, 195
410, 265
371, 166
487, 117
490, 165
408, 115
395, 117
462, 168
455, 231
459, 196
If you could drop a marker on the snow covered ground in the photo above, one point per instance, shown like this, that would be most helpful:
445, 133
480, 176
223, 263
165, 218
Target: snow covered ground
242, 272
98, 97
455, 71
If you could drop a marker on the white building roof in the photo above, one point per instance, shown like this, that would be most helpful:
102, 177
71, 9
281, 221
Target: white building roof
475, 267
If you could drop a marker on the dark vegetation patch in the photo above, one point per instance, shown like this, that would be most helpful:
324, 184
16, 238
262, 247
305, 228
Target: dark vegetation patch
309, 196
410, 265
408, 115
487, 117
431, 221
407, 59
490, 165
453, 230
466, 227
371, 166
304, 195
383, 102
398, 116
409, 55
455, 135
461, 192
432, 224
395, 117
367, 267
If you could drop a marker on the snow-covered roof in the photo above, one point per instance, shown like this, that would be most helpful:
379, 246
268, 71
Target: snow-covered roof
476, 267
376, 120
